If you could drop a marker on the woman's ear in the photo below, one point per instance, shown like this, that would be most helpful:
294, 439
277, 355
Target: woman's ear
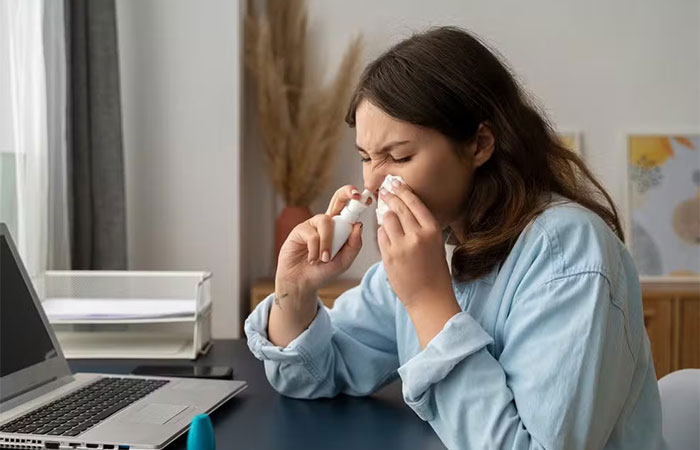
485, 144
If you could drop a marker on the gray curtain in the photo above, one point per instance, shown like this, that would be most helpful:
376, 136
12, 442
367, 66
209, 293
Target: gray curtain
95, 152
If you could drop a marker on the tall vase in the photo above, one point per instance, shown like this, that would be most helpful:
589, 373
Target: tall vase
290, 217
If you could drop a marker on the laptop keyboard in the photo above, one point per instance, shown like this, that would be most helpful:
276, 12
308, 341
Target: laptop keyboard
81, 410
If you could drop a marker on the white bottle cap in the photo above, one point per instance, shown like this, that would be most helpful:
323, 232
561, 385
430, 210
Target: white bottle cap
354, 208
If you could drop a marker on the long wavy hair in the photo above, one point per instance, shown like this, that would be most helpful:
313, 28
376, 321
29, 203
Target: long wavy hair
447, 80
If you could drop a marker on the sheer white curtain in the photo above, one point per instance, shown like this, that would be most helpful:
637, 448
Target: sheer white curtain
28, 92
38, 192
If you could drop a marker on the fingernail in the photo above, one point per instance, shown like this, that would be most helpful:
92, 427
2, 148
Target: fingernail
383, 191
355, 192
325, 257
396, 183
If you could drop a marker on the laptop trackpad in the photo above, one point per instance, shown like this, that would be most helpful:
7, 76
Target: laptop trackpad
154, 413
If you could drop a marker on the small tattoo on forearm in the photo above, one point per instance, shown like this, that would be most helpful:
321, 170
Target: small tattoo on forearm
277, 299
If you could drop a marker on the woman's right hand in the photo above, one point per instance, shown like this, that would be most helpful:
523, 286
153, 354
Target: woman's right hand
304, 262
303, 266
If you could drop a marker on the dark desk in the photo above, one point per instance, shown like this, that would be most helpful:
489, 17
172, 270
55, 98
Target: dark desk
260, 418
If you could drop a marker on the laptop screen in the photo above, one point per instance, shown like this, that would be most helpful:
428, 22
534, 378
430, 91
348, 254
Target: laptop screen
24, 340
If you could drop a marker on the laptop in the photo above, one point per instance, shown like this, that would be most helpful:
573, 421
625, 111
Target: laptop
44, 405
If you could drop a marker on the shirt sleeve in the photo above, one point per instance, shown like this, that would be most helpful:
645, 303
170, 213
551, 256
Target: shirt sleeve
350, 348
560, 381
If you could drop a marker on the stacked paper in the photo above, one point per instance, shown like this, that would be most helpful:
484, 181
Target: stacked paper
66, 309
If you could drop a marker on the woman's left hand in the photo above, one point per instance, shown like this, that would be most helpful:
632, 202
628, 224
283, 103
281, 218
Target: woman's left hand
413, 251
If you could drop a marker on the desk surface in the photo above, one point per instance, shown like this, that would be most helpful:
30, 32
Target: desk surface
260, 418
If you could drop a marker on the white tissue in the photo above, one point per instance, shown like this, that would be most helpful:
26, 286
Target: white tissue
382, 207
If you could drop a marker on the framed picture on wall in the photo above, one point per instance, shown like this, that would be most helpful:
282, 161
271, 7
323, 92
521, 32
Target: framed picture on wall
663, 203
571, 140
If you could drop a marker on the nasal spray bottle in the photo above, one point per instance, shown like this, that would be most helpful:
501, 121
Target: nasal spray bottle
343, 223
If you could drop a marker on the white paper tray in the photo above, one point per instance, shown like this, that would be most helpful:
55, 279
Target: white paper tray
122, 335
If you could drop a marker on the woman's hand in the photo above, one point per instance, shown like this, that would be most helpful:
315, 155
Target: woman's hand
413, 253
304, 265
304, 259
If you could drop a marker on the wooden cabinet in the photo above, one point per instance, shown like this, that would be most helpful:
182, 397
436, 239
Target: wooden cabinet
327, 293
672, 319
671, 316
657, 319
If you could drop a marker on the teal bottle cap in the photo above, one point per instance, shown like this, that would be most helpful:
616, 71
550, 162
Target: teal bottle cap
201, 434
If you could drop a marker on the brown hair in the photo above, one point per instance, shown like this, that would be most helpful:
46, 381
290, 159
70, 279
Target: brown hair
447, 80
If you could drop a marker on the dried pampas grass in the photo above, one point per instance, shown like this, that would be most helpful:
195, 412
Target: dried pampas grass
300, 127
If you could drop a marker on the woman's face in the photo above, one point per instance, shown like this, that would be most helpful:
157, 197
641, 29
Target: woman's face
424, 158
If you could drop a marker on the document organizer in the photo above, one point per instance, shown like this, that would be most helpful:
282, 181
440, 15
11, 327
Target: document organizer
125, 333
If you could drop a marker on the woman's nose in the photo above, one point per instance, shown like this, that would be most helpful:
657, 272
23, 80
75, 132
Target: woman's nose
373, 180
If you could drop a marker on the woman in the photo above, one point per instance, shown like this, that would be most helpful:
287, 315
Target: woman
532, 335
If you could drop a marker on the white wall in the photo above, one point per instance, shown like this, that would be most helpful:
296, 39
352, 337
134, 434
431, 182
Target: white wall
602, 68
180, 76
598, 67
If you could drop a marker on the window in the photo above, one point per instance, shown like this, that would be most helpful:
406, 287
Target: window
8, 191
8, 179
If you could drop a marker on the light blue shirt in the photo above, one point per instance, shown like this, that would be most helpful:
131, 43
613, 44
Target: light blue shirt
549, 351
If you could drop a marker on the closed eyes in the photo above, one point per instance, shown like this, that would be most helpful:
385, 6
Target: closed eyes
395, 160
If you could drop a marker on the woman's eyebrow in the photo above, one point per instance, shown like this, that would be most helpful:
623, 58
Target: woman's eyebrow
387, 148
